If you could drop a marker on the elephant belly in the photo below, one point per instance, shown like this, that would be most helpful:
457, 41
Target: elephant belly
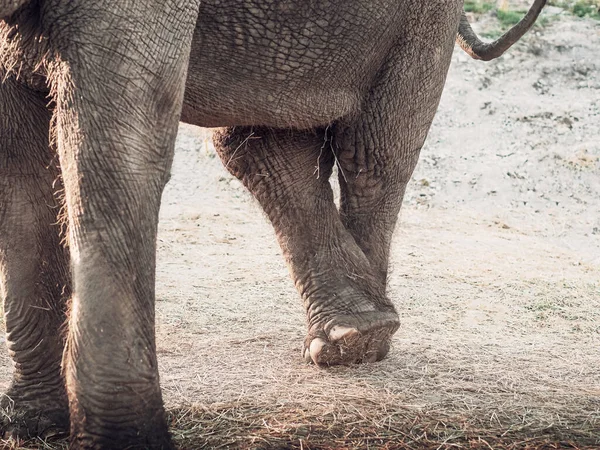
222, 106
286, 64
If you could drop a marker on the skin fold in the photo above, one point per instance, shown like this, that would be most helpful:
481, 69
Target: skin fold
91, 97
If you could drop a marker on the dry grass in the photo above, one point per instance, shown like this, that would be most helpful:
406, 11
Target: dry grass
360, 425
247, 426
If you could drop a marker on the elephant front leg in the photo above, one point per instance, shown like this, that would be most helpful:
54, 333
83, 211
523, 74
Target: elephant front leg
34, 267
118, 80
350, 320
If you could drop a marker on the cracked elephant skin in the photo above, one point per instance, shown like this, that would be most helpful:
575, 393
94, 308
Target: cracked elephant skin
91, 97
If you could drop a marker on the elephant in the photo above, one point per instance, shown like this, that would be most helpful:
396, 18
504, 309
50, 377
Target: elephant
90, 100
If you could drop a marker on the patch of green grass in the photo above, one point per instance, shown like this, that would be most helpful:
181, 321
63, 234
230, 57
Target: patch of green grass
587, 8
543, 305
509, 18
580, 8
544, 21
492, 34
478, 6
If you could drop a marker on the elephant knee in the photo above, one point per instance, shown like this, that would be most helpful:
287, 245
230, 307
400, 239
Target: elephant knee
233, 147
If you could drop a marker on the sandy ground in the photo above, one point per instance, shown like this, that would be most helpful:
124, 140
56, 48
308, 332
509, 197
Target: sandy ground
495, 273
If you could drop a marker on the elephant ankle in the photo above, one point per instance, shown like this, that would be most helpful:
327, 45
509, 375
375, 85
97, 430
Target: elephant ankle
149, 432
48, 391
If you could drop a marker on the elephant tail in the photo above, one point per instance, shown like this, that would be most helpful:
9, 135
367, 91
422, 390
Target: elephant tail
487, 51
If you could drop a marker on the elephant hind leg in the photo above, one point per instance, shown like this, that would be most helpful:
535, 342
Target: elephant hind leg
34, 268
350, 320
378, 150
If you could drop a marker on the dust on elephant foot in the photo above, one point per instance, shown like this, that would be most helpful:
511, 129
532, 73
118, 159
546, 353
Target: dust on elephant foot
351, 339
44, 417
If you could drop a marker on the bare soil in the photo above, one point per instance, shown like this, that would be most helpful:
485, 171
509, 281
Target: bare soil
495, 273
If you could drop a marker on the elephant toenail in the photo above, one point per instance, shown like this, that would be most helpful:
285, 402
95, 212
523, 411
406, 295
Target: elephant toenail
339, 332
316, 346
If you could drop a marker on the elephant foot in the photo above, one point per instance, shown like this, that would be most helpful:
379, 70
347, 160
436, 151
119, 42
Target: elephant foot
145, 438
351, 339
107, 429
26, 419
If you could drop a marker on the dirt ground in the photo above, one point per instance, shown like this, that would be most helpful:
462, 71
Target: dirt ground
495, 273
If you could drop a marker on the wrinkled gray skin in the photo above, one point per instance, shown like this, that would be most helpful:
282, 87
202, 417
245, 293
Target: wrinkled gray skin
300, 85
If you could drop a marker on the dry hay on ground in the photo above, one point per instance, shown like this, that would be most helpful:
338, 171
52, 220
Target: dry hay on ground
365, 426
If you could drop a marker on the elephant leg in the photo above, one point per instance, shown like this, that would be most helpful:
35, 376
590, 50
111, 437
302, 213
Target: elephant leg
350, 320
34, 267
118, 82
378, 150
